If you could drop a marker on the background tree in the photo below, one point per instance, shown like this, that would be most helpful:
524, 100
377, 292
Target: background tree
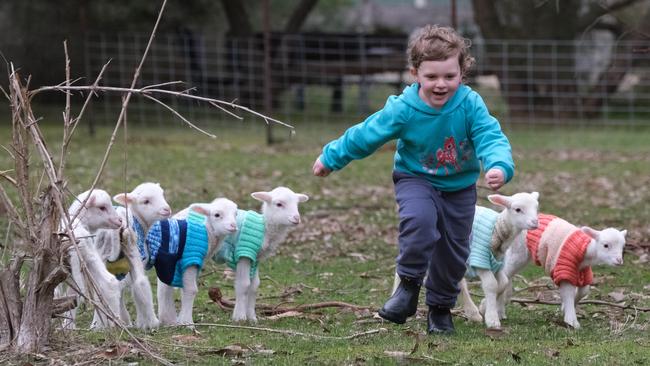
555, 20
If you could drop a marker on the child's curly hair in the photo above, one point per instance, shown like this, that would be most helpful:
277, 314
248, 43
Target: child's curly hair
436, 43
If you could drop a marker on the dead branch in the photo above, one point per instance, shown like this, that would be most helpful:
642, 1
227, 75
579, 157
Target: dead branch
148, 90
215, 294
292, 332
582, 302
63, 304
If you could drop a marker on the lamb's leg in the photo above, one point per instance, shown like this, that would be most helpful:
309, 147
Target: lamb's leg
242, 284
503, 284
189, 291
568, 296
582, 293
77, 278
469, 308
490, 288
141, 290
516, 258
166, 307
252, 297
105, 286
124, 312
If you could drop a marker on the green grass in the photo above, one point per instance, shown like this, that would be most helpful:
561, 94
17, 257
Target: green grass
345, 249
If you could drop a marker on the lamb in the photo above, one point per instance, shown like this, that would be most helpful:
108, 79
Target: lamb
178, 248
124, 250
567, 253
258, 237
492, 235
97, 213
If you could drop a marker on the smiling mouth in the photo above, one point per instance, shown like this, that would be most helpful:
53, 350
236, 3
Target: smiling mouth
440, 94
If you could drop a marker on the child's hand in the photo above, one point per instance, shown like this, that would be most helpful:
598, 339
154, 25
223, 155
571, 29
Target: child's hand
319, 169
494, 178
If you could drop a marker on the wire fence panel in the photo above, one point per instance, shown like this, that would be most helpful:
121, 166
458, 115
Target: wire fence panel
325, 77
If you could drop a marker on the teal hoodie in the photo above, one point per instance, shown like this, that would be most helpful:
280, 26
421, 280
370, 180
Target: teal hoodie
446, 146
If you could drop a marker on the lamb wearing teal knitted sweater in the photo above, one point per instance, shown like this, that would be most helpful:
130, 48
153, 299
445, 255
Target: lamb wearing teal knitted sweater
492, 234
257, 238
178, 249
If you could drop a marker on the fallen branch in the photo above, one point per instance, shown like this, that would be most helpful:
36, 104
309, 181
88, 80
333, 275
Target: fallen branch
291, 332
583, 302
215, 294
63, 304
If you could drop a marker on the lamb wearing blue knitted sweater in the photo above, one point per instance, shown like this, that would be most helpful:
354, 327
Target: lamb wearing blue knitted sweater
178, 248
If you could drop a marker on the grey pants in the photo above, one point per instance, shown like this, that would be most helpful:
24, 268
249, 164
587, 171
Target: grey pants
434, 232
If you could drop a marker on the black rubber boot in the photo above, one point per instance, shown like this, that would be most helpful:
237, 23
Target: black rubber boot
403, 303
439, 320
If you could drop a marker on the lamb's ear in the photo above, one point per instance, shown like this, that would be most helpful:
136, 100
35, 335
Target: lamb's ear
535, 195
624, 232
262, 196
123, 198
302, 197
200, 208
500, 200
595, 234
91, 200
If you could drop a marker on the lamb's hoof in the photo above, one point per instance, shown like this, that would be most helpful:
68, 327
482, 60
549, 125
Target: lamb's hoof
153, 322
252, 319
492, 323
238, 318
572, 324
474, 317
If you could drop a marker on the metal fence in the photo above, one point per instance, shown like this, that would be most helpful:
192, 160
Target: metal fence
325, 77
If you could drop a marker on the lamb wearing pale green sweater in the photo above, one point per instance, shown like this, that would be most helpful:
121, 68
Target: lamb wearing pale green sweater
492, 234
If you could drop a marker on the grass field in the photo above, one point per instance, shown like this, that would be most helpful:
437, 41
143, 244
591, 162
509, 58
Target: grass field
344, 251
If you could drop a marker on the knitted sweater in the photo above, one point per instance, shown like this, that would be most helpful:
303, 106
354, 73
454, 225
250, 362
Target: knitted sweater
560, 247
246, 242
175, 245
119, 267
481, 255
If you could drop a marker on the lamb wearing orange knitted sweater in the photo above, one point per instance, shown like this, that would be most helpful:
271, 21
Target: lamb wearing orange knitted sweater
566, 253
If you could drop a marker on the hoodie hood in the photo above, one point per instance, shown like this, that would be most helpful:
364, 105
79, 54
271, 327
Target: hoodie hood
412, 98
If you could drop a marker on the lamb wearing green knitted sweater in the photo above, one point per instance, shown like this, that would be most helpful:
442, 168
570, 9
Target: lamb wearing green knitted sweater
492, 234
257, 238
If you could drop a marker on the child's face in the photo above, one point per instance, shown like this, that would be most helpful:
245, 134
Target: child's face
438, 80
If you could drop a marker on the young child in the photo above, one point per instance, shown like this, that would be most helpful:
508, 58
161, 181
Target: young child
444, 133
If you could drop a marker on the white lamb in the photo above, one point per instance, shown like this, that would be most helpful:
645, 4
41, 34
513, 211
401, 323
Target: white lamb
567, 253
178, 248
492, 235
258, 237
124, 250
97, 213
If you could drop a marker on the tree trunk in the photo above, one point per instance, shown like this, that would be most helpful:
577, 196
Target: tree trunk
299, 15
518, 65
10, 307
44, 276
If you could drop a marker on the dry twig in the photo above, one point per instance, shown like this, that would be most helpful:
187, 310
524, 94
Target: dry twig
215, 294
